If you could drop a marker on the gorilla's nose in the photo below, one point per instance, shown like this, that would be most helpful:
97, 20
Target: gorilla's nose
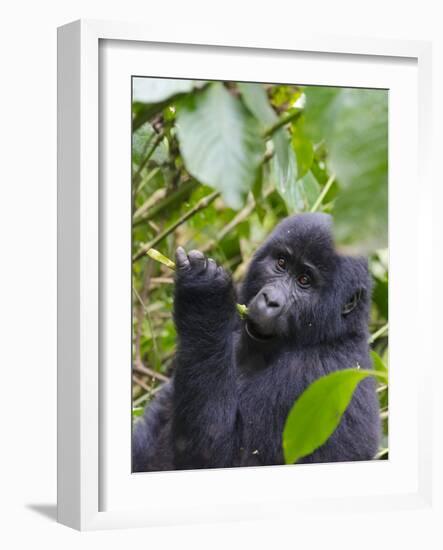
270, 302
264, 311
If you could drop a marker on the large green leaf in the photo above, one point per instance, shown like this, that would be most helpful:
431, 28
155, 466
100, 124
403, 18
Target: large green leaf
156, 90
285, 181
220, 142
354, 125
303, 148
291, 162
318, 411
256, 100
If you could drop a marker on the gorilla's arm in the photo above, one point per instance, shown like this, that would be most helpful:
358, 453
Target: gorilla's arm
205, 394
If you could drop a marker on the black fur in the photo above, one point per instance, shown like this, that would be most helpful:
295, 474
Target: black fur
235, 381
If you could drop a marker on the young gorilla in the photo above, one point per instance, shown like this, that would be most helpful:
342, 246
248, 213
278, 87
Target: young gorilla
235, 381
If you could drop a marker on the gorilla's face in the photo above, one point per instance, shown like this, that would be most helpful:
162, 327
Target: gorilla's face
300, 289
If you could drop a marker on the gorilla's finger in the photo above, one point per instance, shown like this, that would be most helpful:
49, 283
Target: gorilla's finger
181, 258
212, 267
197, 259
221, 274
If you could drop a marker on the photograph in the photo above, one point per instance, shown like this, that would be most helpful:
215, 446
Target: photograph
260, 268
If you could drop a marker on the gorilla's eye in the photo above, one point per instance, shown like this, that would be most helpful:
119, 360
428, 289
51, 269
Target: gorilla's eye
281, 263
304, 280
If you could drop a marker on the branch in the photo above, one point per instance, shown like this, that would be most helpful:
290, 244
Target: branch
140, 383
377, 334
184, 189
149, 154
139, 367
323, 193
381, 454
236, 220
147, 395
154, 199
286, 119
201, 205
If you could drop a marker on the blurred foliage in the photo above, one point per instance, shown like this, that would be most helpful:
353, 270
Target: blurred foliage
216, 165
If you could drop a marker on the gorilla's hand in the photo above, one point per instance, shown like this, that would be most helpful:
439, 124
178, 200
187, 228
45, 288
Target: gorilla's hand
194, 270
204, 294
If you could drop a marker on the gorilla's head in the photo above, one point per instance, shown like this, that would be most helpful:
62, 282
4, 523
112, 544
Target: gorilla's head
299, 288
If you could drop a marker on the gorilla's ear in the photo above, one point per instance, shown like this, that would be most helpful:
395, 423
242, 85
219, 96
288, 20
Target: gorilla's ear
352, 303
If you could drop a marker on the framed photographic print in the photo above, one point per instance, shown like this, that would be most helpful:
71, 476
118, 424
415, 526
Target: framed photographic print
233, 276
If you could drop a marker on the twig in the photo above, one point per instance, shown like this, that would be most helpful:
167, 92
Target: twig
377, 334
149, 154
180, 193
140, 310
149, 372
282, 122
201, 205
148, 318
156, 281
323, 193
381, 454
142, 384
150, 393
150, 202
236, 220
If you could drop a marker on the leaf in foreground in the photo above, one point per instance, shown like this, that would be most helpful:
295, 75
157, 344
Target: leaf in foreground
318, 411
354, 125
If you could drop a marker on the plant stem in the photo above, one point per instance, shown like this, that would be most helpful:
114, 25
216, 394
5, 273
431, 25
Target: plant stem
323, 193
282, 122
378, 333
149, 372
201, 205
236, 220
182, 191
149, 154
381, 454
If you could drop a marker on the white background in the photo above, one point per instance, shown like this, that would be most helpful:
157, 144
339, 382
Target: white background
28, 274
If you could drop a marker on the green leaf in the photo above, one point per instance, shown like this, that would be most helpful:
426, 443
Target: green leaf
379, 364
304, 150
380, 296
285, 181
256, 100
354, 125
137, 411
318, 411
142, 139
220, 142
157, 90
310, 189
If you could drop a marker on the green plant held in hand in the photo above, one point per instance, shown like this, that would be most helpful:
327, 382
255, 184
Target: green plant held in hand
159, 257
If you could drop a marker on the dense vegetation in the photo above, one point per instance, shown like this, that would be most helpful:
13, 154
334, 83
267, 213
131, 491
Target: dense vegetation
216, 165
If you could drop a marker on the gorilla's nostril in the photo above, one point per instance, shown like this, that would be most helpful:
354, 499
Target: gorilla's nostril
271, 301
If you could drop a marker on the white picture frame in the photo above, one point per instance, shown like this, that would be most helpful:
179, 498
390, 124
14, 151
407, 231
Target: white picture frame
95, 488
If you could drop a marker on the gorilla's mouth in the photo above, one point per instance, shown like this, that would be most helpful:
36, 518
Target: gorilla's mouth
254, 333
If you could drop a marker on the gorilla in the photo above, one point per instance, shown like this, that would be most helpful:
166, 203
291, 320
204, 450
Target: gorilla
236, 380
